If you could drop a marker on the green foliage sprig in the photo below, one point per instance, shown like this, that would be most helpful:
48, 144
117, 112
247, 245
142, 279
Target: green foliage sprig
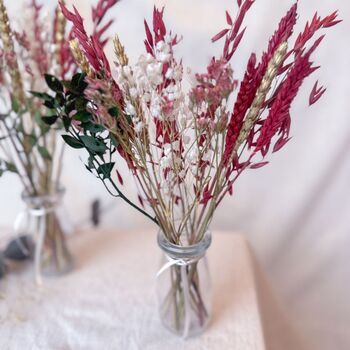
69, 108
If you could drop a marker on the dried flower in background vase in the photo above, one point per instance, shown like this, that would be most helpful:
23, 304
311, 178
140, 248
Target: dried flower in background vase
28, 146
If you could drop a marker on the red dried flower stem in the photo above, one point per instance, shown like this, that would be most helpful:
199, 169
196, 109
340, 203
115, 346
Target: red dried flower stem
280, 108
234, 34
316, 93
39, 51
311, 28
253, 78
244, 100
91, 46
98, 15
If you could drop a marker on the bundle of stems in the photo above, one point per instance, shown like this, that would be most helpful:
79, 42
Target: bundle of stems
32, 52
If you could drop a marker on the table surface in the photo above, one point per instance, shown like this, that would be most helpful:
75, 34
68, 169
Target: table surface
107, 301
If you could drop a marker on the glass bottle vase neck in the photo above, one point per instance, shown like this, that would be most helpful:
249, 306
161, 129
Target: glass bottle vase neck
193, 251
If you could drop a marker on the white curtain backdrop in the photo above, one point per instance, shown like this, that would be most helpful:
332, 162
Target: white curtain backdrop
295, 211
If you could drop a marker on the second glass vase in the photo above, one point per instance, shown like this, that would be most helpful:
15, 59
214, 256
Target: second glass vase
52, 257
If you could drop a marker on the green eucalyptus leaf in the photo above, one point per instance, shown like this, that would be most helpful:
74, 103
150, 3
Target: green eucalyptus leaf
50, 119
42, 125
72, 141
128, 119
53, 83
78, 83
114, 140
10, 167
80, 103
42, 95
105, 170
93, 144
88, 168
114, 111
67, 84
93, 128
70, 106
44, 153
32, 139
50, 103
66, 122
90, 164
82, 116
15, 104
60, 99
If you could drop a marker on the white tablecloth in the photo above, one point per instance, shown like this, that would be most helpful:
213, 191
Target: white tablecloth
107, 302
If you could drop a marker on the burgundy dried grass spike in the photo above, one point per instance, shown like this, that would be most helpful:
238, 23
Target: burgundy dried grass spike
283, 33
101, 9
40, 54
316, 93
245, 98
280, 144
236, 44
148, 34
258, 165
79, 32
228, 19
158, 25
219, 35
120, 179
316, 24
279, 111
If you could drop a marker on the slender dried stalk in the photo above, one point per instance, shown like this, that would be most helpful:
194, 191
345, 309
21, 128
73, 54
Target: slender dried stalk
80, 57
8, 46
120, 52
264, 88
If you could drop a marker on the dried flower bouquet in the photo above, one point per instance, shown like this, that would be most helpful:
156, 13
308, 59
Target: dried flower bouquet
184, 149
29, 49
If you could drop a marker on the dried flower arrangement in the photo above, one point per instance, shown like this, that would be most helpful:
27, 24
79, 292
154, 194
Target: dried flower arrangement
28, 146
184, 149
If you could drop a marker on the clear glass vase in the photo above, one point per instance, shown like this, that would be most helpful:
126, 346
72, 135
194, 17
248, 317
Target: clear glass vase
42, 219
184, 287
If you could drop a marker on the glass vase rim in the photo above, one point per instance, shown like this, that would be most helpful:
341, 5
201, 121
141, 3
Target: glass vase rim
51, 198
184, 251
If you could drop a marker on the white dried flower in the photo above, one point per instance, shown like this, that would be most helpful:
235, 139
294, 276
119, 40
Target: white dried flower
130, 109
133, 92
138, 127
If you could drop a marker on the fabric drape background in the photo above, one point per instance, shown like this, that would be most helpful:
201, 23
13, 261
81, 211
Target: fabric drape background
295, 211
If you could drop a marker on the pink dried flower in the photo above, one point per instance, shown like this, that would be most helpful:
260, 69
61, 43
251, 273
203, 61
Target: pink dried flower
234, 34
215, 85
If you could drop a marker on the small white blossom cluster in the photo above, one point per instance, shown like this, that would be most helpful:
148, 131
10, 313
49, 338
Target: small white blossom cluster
152, 91
155, 82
